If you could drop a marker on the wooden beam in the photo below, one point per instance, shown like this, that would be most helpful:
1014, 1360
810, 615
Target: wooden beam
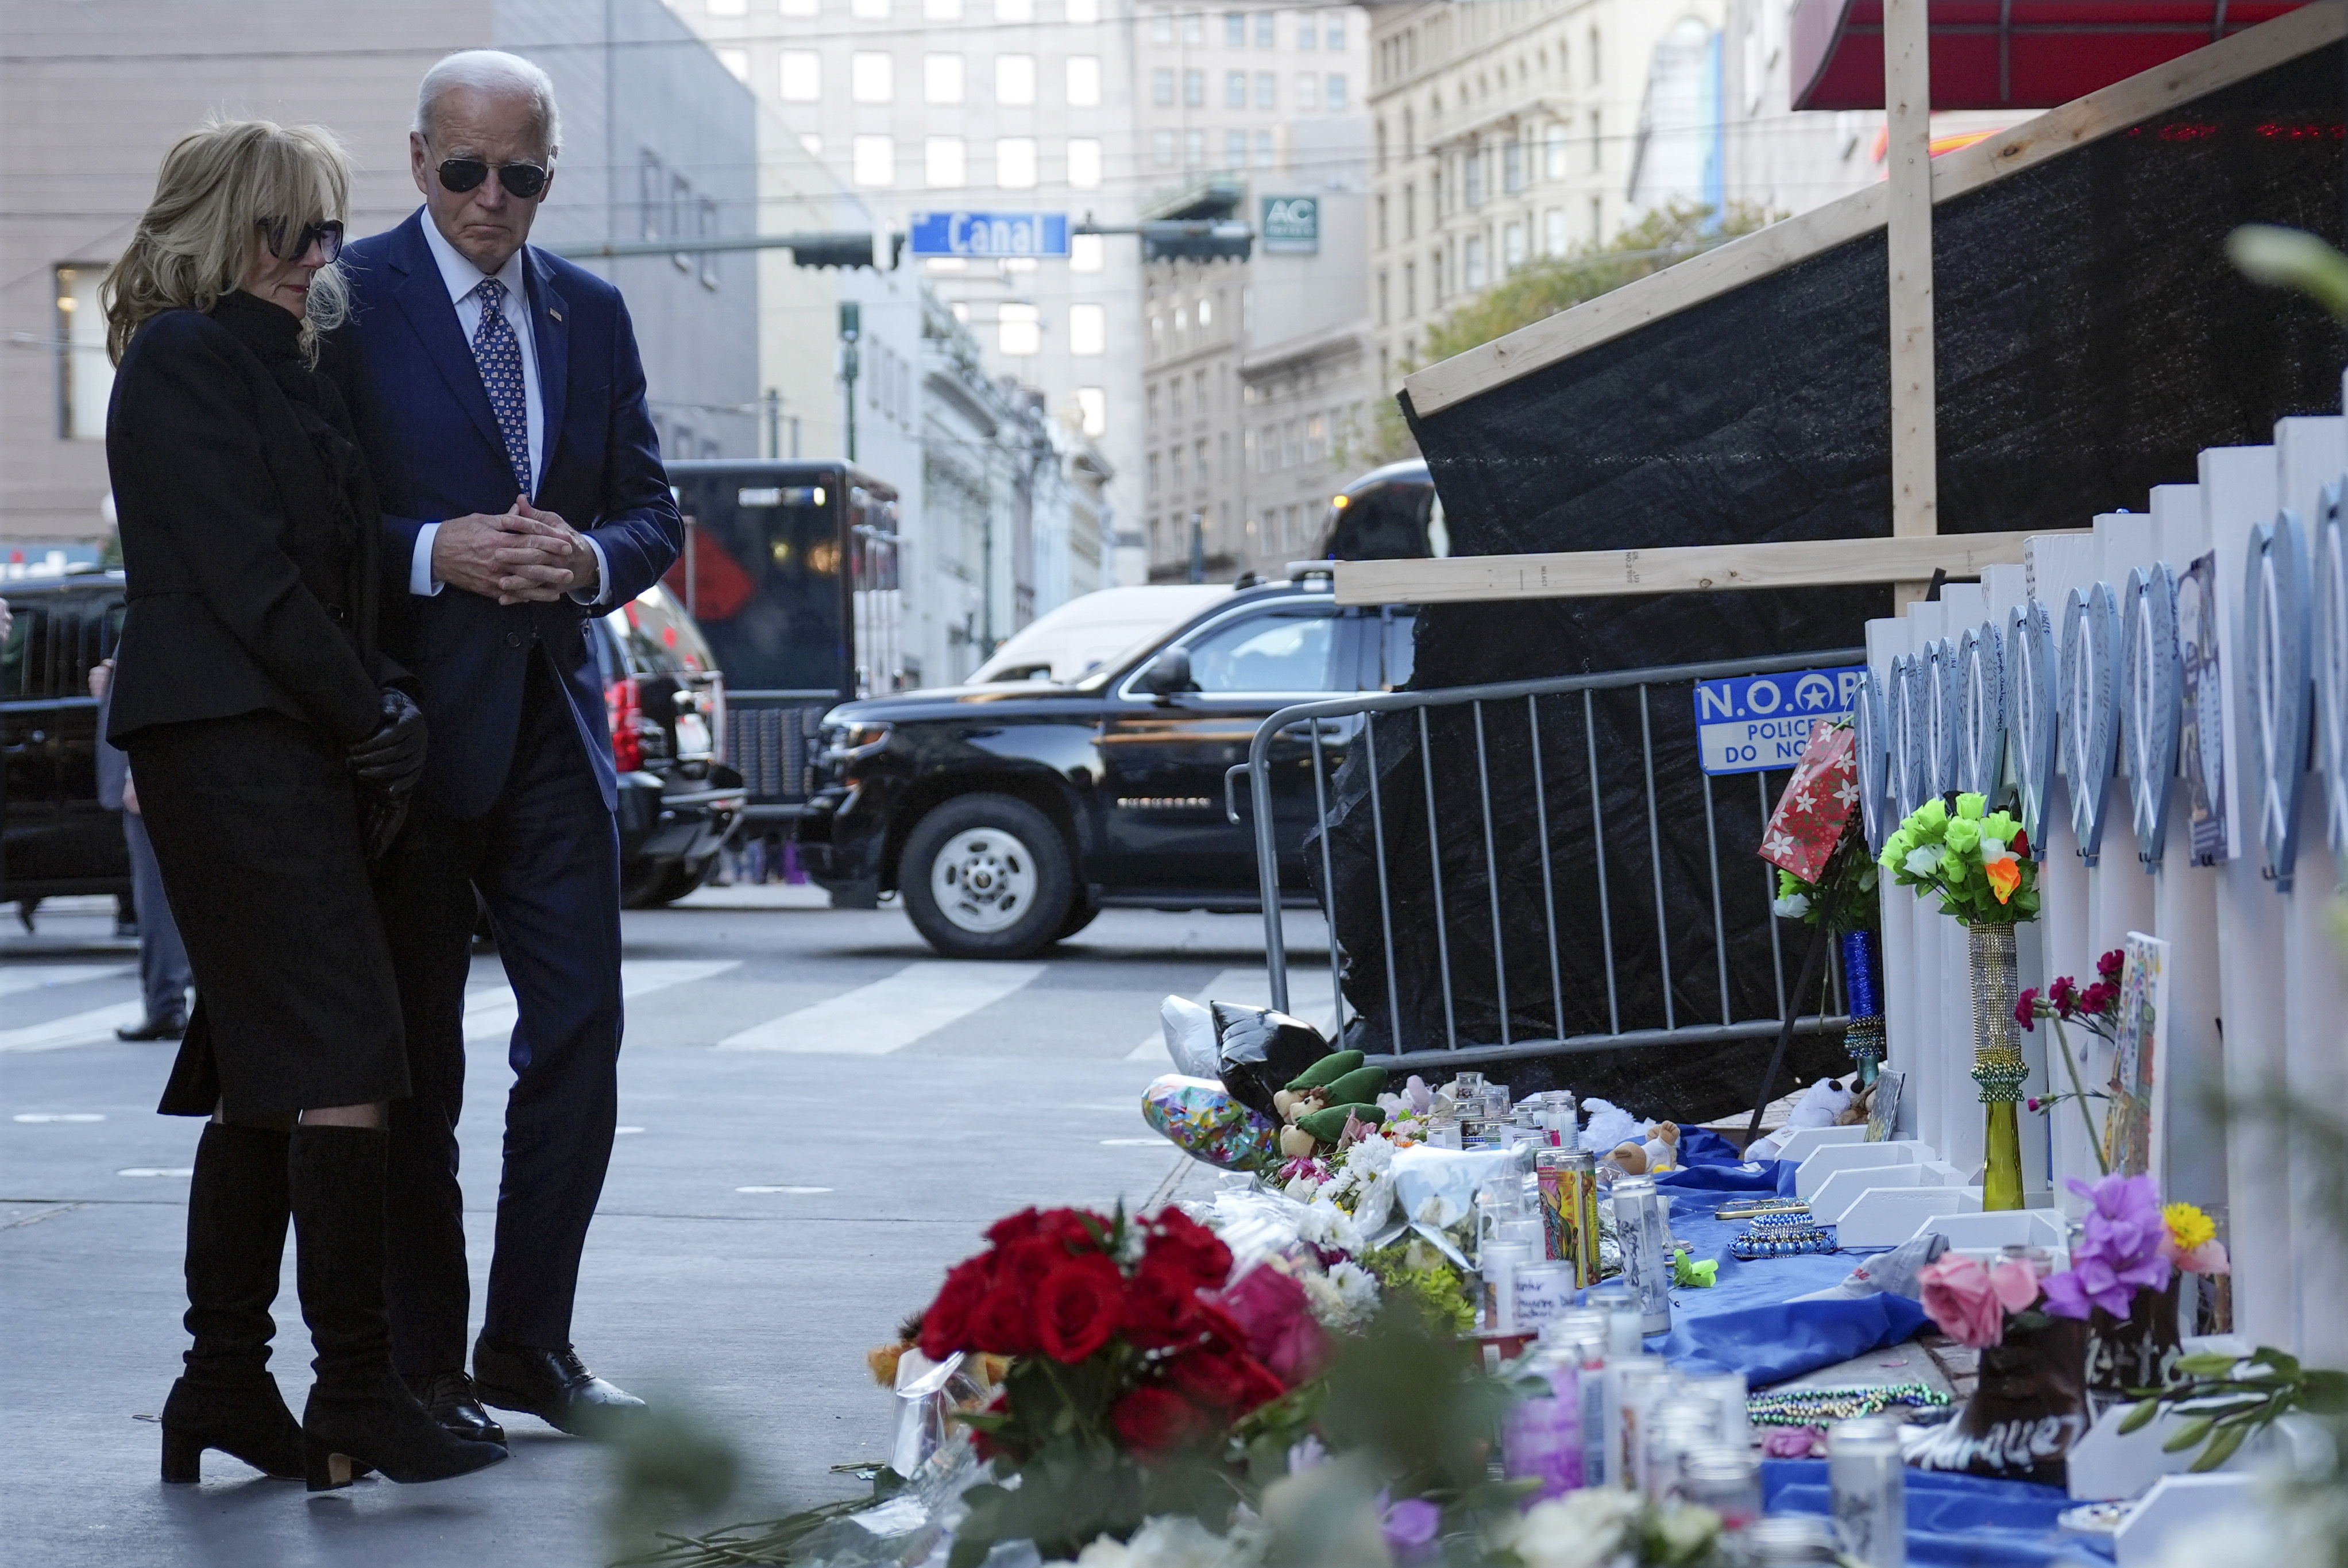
1702, 568
1731, 266
1908, 234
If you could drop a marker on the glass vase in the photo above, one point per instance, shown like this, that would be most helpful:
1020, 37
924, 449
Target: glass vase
1997, 1060
1864, 1038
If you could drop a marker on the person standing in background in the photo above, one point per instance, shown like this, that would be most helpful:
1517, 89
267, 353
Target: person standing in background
163, 974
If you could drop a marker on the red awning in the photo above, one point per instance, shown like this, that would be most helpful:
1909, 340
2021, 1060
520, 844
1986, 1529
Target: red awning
2008, 54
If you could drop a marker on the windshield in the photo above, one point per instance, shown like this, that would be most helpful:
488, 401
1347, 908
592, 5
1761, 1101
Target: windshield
762, 577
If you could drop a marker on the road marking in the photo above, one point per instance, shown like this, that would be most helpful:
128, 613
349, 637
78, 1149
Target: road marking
59, 1115
36, 977
74, 1028
490, 1012
794, 1192
622, 1131
888, 1015
1252, 988
155, 1171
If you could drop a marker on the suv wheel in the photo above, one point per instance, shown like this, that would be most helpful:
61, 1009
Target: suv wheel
988, 876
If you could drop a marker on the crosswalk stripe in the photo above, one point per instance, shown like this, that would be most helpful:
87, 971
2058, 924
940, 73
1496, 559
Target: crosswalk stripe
1308, 998
490, 1012
890, 1014
74, 1028
36, 977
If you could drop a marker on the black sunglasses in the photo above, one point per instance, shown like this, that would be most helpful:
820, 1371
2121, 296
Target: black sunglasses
525, 180
328, 234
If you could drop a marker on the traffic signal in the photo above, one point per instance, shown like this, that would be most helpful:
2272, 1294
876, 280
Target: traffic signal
848, 248
1196, 239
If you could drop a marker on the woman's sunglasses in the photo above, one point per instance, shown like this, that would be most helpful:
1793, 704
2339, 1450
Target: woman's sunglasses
328, 236
524, 180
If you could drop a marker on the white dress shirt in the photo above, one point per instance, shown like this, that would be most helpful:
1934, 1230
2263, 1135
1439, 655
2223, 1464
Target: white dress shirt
464, 280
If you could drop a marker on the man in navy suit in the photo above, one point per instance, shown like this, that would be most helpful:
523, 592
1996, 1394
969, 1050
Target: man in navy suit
501, 400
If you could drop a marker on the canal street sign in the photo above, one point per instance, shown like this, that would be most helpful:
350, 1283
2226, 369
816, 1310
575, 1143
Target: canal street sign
1292, 225
990, 235
1753, 723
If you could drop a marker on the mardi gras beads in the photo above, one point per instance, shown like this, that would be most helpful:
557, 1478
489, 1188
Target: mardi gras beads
1817, 1407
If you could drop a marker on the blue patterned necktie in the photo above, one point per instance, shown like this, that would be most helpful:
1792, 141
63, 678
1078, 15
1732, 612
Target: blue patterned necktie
498, 355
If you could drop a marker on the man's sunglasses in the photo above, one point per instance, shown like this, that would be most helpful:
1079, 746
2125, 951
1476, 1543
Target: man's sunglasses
328, 235
525, 180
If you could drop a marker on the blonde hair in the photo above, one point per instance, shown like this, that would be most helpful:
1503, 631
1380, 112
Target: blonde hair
218, 189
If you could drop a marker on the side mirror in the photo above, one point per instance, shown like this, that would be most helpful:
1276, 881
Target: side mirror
1168, 673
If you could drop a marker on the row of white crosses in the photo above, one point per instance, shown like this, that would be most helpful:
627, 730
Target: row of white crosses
2062, 684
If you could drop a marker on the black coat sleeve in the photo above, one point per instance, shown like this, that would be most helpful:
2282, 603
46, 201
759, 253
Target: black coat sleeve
184, 415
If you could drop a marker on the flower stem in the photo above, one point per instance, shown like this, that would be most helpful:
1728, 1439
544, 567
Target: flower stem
2062, 1044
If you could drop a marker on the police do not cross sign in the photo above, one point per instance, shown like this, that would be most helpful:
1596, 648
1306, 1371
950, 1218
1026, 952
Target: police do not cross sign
1753, 723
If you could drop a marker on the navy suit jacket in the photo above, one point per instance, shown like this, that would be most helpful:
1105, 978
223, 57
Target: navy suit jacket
433, 442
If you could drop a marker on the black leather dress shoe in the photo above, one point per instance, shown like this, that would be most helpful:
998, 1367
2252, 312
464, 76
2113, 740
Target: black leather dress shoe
552, 1385
155, 1030
449, 1399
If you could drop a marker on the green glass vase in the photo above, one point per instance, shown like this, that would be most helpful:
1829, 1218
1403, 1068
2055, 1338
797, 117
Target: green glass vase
1997, 1060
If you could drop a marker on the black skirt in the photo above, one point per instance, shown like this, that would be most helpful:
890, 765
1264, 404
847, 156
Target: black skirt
255, 824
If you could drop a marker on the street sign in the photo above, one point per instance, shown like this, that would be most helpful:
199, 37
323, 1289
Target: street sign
1292, 225
990, 235
1753, 723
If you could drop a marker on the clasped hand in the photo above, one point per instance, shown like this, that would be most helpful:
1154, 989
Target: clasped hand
524, 556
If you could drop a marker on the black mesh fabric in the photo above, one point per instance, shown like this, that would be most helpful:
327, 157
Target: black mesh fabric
2091, 339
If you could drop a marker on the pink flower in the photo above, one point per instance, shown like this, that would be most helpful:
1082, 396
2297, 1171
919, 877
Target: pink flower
1792, 1442
1969, 1300
1272, 1309
2025, 1009
2209, 1258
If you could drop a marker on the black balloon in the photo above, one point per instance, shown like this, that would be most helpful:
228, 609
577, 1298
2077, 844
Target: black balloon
1260, 1050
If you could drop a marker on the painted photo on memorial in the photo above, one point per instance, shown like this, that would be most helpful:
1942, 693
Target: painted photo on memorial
2200, 741
2132, 1125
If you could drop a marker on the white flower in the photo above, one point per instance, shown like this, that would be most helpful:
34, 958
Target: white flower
1994, 850
1179, 1541
1359, 1286
1345, 1297
1105, 1552
1327, 1225
1791, 906
1303, 1189
1372, 1156
1924, 861
1579, 1530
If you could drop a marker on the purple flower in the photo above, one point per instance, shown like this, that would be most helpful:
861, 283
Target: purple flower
2120, 1252
1411, 1525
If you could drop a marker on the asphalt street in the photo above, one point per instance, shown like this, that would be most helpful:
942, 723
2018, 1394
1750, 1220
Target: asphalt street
817, 1117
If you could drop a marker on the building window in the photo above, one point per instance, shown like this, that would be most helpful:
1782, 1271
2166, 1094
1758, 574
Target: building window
1593, 56
1015, 162
680, 217
1472, 253
1553, 231
1161, 86
1198, 470
1512, 246
84, 374
1235, 89
1015, 79
1512, 166
1410, 212
1194, 29
736, 63
1316, 439
1267, 90
1597, 137
1092, 410
801, 7
1474, 178
1194, 89
1385, 315
1085, 251
1084, 174
652, 197
706, 228
1153, 411
1409, 290
871, 76
1308, 90
1334, 99
1265, 34
1382, 222
1019, 329
1206, 318
942, 10
1084, 13
872, 161
1084, 75
1235, 29
1162, 148
945, 164
1235, 148
1597, 226
1194, 149
1263, 149
1336, 32
802, 76
1153, 473
1553, 153
941, 79
1161, 27
1088, 329
868, 10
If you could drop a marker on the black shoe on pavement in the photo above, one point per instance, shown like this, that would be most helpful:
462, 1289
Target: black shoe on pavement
552, 1385
449, 1399
155, 1030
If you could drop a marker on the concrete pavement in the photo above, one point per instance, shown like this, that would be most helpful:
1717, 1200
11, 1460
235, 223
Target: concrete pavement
771, 1215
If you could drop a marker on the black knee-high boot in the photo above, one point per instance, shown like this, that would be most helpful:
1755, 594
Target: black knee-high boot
226, 1399
360, 1415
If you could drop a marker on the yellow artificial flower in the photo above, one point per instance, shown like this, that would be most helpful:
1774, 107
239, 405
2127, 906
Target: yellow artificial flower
2188, 1227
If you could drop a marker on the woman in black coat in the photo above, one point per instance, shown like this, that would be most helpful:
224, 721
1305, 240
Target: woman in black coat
275, 748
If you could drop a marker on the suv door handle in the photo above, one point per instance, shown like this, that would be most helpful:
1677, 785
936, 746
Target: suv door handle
1230, 801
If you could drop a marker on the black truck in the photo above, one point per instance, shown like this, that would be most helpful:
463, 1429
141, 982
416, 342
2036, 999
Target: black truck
1007, 815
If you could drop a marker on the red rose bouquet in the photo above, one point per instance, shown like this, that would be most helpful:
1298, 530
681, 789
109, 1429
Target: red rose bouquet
1129, 1367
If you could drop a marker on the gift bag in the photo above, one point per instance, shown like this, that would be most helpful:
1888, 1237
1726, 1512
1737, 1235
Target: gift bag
1818, 803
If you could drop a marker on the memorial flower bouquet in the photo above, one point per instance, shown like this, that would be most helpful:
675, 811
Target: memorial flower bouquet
2095, 1009
1976, 859
1131, 1362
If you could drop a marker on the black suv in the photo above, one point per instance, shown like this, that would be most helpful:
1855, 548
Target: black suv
1008, 815
679, 802
57, 839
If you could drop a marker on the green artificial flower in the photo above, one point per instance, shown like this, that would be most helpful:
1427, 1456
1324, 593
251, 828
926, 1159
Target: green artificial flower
1928, 819
2001, 825
1970, 807
1965, 836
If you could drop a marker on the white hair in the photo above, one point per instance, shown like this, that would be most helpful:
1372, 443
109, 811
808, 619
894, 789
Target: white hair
489, 71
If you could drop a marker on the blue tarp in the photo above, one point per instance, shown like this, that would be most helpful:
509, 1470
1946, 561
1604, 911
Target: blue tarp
1955, 1520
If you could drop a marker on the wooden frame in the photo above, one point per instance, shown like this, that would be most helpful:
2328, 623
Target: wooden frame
1741, 261
1701, 568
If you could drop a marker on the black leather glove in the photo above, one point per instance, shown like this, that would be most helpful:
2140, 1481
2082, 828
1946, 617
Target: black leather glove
392, 759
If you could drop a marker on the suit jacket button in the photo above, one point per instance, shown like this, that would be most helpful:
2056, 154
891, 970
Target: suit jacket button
513, 639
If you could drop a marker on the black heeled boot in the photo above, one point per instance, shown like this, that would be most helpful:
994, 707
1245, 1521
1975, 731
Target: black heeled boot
360, 1415
226, 1399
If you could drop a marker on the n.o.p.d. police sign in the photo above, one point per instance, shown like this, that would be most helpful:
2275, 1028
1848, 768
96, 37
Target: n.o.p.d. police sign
1752, 723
